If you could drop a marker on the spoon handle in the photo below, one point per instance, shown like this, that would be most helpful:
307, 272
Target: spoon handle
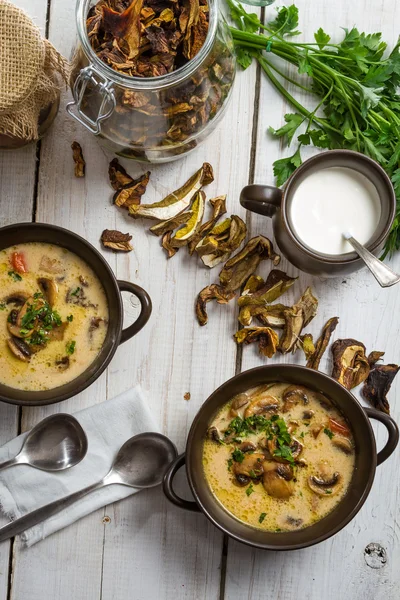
44, 512
382, 273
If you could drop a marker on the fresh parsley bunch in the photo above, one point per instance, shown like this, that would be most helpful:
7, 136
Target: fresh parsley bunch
356, 83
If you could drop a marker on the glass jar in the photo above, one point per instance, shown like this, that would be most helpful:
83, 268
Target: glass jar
155, 119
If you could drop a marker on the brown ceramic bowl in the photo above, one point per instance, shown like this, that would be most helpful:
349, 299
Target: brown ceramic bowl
366, 458
40, 232
274, 202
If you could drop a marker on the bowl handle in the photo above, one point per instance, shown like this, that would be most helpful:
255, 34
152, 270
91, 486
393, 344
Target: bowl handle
261, 199
393, 433
168, 486
145, 311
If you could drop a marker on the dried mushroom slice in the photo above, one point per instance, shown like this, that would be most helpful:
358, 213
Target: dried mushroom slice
77, 155
296, 318
377, 386
131, 193
118, 176
222, 240
239, 268
171, 224
270, 316
116, 240
306, 343
219, 208
350, 365
322, 343
211, 292
124, 26
277, 283
265, 336
253, 284
167, 245
374, 357
177, 201
186, 231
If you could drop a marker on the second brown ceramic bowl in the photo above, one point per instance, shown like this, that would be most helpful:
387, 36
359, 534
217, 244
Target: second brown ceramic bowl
366, 458
50, 234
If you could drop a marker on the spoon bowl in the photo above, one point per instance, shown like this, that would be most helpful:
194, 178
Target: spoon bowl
55, 444
142, 461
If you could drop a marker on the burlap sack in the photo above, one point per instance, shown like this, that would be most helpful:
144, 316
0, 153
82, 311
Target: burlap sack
29, 70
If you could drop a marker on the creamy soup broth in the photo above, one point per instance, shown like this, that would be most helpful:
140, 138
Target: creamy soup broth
81, 316
265, 490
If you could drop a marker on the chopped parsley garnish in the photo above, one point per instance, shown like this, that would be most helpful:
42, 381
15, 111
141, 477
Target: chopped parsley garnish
70, 347
275, 427
76, 291
328, 491
230, 463
39, 319
2, 306
262, 517
252, 474
250, 490
329, 433
15, 276
70, 318
238, 455
278, 529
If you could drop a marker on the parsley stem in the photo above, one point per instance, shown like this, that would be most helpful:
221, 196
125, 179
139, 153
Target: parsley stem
302, 110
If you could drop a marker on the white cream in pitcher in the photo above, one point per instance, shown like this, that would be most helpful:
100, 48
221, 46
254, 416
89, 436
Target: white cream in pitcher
333, 201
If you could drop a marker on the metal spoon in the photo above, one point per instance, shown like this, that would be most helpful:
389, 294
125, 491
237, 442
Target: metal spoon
56, 443
382, 273
140, 463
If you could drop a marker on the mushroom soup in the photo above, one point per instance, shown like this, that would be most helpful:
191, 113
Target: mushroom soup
53, 316
279, 457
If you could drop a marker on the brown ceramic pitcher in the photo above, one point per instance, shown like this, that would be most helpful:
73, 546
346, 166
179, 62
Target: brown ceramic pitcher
274, 202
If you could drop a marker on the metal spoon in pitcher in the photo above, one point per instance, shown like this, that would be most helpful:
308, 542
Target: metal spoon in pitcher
56, 443
140, 463
382, 273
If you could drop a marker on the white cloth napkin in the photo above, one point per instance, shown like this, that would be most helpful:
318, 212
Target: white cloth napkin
107, 426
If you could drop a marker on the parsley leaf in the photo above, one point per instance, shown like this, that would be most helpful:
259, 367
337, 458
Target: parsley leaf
285, 167
322, 38
70, 347
230, 463
293, 122
238, 455
286, 21
70, 318
250, 490
15, 276
329, 433
262, 517
3, 306
76, 291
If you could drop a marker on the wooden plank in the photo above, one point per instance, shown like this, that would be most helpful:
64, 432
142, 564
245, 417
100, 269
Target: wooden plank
337, 568
17, 184
69, 563
149, 546
152, 549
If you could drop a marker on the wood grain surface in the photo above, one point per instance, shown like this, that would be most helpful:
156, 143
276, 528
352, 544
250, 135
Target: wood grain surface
147, 549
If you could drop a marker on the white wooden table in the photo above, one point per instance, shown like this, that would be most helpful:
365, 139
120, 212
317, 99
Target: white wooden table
147, 549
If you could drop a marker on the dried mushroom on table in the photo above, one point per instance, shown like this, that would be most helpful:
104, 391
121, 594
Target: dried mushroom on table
211, 292
377, 386
77, 155
314, 358
116, 240
350, 364
266, 337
